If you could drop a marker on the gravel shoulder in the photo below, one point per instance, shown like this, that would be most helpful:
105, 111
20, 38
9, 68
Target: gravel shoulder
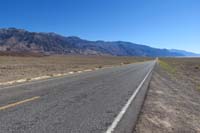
172, 104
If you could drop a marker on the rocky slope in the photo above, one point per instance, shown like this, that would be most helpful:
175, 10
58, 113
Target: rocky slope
22, 41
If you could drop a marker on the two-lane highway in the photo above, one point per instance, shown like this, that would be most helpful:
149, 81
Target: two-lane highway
81, 103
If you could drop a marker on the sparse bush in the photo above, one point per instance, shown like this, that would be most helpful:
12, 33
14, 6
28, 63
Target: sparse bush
99, 66
51, 75
198, 87
126, 62
28, 79
196, 67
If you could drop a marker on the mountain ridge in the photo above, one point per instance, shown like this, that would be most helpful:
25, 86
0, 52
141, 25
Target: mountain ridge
186, 53
20, 40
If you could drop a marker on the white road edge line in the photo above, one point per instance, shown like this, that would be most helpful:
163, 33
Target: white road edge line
112, 127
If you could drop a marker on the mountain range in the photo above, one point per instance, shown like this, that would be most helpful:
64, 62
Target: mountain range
22, 41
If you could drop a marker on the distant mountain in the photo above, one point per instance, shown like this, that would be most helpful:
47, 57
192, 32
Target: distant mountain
185, 53
22, 41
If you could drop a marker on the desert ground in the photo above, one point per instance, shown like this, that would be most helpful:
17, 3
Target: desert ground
172, 104
14, 68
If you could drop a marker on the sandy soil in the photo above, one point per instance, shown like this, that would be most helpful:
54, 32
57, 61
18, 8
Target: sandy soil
14, 68
172, 104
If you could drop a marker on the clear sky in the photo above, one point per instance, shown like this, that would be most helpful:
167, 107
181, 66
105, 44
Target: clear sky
157, 23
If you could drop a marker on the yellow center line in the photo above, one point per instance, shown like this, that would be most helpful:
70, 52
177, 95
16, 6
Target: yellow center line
17, 103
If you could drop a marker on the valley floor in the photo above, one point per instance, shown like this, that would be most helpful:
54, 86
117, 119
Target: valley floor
15, 68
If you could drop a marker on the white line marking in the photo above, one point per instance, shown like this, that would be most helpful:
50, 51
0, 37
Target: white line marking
79, 72
38, 78
87, 70
124, 109
71, 72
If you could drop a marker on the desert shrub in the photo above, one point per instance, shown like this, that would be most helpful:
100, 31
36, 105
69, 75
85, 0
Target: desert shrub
99, 66
196, 67
126, 62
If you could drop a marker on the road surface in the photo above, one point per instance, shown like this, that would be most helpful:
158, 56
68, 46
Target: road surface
79, 103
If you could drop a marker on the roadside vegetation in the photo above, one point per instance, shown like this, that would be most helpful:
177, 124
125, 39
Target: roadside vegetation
167, 67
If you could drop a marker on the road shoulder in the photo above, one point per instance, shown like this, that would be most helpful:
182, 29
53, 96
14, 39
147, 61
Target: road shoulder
170, 106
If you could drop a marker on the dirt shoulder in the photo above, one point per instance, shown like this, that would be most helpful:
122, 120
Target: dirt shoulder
172, 104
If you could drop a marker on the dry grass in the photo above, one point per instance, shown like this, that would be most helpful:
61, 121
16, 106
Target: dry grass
13, 68
167, 67
187, 69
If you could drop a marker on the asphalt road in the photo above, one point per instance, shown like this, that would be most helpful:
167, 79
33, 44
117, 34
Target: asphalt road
79, 103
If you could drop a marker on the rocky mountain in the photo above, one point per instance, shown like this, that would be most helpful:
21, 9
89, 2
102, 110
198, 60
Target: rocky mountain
185, 53
22, 41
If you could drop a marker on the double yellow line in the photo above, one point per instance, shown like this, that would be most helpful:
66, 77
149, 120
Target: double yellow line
17, 103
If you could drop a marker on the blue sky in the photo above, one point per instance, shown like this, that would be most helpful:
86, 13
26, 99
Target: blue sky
157, 23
